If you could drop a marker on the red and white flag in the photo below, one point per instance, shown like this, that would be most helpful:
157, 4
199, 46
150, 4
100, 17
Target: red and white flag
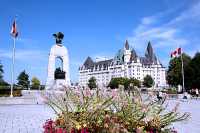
176, 53
14, 31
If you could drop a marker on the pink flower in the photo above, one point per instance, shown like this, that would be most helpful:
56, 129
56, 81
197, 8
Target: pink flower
72, 130
78, 93
114, 93
125, 103
88, 93
144, 108
84, 130
60, 130
49, 126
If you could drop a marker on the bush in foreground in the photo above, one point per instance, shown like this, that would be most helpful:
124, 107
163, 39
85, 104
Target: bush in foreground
6, 93
86, 111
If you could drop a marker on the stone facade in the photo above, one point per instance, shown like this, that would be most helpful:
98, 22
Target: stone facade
126, 63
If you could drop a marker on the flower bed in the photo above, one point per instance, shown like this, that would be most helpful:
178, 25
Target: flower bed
116, 111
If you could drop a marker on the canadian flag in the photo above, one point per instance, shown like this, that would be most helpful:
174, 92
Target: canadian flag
176, 53
14, 31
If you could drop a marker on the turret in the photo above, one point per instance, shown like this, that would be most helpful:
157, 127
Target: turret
127, 52
149, 54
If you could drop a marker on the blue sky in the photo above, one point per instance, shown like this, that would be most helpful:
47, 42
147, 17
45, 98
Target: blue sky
96, 28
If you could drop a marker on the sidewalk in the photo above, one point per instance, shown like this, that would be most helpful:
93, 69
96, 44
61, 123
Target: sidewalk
24, 118
28, 97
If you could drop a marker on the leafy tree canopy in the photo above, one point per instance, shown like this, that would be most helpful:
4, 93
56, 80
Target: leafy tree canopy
23, 79
135, 82
2, 82
1, 72
174, 73
35, 83
148, 81
92, 83
115, 82
193, 72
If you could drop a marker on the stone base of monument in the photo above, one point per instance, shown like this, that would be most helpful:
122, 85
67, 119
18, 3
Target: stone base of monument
58, 84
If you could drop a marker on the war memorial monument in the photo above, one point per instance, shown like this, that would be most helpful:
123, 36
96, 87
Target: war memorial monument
57, 77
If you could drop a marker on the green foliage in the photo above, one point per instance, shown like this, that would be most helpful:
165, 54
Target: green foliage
35, 83
171, 91
92, 83
5, 91
174, 74
115, 82
2, 82
148, 81
23, 79
191, 71
135, 82
1, 72
7, 87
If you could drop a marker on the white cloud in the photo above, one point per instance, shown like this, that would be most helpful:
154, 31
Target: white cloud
148, 20
102, 56
164, 35
25, 55
27, 41
191, 14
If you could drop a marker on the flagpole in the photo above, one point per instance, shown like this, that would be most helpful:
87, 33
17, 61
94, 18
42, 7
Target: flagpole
183, 78
13, 68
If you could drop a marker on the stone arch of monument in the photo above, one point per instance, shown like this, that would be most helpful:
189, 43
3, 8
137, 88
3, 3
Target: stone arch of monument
58, 51
60, 60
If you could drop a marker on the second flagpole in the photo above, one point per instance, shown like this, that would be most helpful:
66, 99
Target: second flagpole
182, 66
13, 67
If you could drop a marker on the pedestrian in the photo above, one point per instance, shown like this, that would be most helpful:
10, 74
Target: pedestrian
159, 95
197, 92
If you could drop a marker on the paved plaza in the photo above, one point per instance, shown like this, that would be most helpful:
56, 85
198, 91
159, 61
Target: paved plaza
23, 118
29, 118
193, 124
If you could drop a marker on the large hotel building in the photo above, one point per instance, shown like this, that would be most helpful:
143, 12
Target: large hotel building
126, 63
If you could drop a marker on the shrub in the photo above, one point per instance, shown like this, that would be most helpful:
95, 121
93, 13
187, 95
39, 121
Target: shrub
171, 91
110, 112
148, 81
35, 83
92, 83
6, 92
115, 82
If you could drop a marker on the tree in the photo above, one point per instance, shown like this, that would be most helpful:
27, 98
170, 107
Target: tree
125, 83
148, 81
174, 74
135, 82
23, 79
1, 72
2, 82
115, 82
35, 83
189, 75
193, 72
92, 83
